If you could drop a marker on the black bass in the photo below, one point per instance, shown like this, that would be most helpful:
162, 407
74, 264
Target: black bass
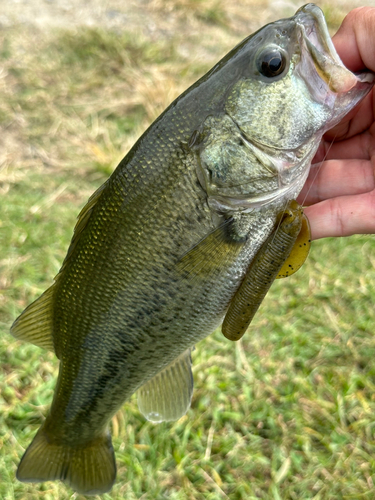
161, 248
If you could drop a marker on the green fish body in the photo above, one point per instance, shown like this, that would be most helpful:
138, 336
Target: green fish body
161, 248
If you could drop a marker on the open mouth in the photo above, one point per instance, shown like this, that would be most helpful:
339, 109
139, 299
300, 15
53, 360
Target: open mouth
316, 38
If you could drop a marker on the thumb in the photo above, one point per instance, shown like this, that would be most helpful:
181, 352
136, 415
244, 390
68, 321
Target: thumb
355, 39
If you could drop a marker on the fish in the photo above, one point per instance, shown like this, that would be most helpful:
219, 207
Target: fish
161, 248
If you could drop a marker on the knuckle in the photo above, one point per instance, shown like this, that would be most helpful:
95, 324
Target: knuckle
339, 218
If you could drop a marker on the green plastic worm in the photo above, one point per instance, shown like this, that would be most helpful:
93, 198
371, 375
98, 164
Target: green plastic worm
263, 270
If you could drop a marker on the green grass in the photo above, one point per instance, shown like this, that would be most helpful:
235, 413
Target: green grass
287, 413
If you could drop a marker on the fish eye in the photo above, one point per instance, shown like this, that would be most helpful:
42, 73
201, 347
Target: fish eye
271, 63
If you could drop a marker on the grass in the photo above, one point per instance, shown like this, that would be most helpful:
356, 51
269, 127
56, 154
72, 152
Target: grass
287, 413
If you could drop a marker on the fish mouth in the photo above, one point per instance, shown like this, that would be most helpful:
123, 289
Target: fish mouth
315, 38
330, 84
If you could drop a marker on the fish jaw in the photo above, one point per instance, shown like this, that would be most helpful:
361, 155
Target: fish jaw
328, 79
318, 42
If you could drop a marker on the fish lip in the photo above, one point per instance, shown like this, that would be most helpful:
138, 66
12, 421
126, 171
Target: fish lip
311, 12
315, 39
321, 39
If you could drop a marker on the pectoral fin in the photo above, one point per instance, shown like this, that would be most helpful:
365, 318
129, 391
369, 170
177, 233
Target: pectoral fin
211, 254
299, 252
167, 396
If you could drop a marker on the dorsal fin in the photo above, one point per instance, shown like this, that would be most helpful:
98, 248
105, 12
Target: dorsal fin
35, 323
83, 219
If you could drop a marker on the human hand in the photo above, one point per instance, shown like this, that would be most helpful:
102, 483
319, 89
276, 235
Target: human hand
340, 191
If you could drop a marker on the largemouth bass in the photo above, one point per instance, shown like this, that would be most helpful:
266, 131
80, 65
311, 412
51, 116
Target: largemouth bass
160, 250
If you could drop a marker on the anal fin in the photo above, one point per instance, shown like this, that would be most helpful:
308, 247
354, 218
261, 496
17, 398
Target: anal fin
35, 323
167, 396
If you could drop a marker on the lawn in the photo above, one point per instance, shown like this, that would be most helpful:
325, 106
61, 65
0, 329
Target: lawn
287, 412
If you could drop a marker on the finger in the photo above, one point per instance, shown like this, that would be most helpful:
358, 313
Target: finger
355, 39
343, 216
356, 121
361, 147
334, 178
